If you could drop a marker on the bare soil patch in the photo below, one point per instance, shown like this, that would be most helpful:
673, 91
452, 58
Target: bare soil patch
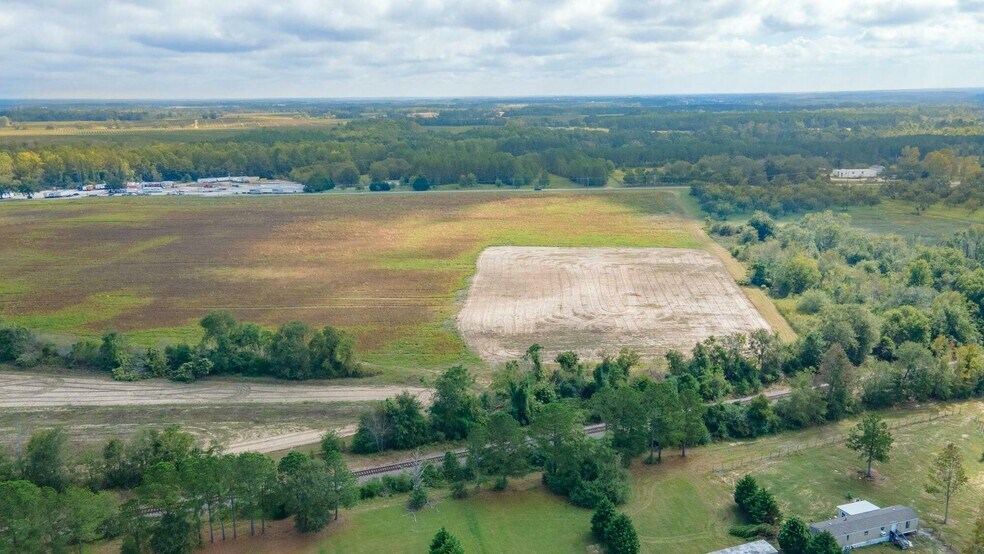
595, 300
18, 390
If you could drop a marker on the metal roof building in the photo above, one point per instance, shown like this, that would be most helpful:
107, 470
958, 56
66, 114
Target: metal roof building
870, 527
756, 547
855, 508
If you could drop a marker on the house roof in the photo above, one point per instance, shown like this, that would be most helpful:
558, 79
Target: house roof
857, 507
862, 522
756, 547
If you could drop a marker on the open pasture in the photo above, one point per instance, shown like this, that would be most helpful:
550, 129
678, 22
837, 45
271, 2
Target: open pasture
386, 267
593, 300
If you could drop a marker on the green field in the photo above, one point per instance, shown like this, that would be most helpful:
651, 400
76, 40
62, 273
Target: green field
387, 267
682, 506
900, 218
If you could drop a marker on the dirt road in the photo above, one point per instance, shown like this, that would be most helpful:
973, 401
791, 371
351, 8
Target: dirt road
26, 390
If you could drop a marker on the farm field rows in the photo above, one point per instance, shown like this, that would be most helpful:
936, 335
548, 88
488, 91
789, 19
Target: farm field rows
593, 300
680, 506
381, 267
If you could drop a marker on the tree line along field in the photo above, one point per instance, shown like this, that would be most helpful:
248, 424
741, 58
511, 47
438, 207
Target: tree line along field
381, 267
682, 505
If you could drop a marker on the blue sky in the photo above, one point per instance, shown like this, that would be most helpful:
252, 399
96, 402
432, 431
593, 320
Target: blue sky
355, 48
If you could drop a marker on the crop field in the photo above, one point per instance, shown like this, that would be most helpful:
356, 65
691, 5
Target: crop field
594, 300
164, 130
387, 267
680, 506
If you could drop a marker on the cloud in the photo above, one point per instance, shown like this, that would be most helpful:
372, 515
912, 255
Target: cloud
194, 48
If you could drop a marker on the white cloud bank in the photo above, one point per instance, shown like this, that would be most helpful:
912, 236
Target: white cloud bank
349, 48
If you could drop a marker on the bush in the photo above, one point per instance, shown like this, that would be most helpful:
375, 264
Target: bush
458, 490
377, 187
500, 483
398, 483
752, 531
371, 489
418, 498
621, 537
813, 301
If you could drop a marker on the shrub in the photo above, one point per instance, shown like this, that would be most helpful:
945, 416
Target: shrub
603, 515
418, 498
371, 489
752, 531
398, 483
621, 537
813, 301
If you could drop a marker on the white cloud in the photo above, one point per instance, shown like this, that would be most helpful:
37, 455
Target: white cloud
261, 48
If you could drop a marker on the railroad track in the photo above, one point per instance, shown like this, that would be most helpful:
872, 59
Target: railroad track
459, 453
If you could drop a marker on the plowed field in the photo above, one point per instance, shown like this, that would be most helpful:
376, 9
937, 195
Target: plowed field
595, 300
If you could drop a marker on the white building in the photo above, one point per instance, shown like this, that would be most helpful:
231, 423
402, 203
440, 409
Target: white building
867, 173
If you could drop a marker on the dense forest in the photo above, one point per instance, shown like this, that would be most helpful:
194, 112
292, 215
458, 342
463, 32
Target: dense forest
745, 144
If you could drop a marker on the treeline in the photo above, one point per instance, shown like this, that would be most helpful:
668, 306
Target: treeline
322, 159
159, 492
227, 347
794, 184
909, 319
751, 149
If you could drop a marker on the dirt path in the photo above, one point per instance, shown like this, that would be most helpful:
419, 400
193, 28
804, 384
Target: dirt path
285, 441
24, 390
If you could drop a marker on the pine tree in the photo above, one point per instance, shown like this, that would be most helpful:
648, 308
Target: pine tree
603, 515
621, 537
445, 543
823, 543
745, 489
794, 537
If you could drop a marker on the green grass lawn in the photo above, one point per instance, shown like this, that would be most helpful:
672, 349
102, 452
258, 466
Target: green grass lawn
682, 506
893, 216
511, 521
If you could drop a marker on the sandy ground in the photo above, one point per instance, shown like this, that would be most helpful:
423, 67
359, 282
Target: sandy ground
24, 390
595, 300
285, 441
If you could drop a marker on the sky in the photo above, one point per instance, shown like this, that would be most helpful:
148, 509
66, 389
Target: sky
193, 49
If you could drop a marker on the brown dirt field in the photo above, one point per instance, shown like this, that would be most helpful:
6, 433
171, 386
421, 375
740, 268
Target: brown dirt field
598, 300
31, 390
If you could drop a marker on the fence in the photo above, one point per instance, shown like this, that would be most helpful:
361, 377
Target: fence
838, 438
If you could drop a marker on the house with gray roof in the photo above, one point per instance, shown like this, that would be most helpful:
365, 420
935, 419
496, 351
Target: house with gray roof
870, 527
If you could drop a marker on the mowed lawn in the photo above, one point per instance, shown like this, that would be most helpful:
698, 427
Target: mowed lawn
388, 268
681, 506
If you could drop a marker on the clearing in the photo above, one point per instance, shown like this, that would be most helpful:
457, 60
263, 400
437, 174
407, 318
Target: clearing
32, 390
598, 300
385, 266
